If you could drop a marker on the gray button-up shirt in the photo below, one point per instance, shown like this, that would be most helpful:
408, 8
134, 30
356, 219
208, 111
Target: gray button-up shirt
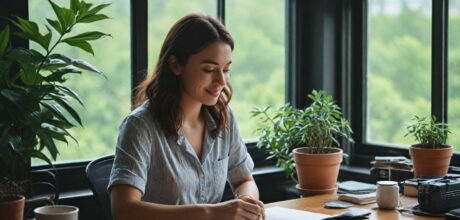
168, 171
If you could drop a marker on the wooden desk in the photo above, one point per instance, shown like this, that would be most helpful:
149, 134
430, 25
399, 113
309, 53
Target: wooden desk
316, 204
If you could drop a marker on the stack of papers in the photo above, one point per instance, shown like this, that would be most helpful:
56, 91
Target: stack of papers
355, 187
280, 213
399, 163
359, 198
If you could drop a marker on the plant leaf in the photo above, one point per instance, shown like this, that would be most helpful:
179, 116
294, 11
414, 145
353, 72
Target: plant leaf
26, 25
61, 57
98, 8
74, 5
4, 66
65, 16
93, 18
63, 103
40, 155
57, 75
48, 141
87, 36
55, 24
4, 39
86, 66
57, 113
84, 45
71, 93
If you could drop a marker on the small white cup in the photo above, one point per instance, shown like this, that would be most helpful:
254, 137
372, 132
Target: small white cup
56, 212
387, 194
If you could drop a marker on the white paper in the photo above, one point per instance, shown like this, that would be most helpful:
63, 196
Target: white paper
280, 213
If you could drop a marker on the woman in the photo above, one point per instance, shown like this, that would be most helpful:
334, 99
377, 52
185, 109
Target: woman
181, 143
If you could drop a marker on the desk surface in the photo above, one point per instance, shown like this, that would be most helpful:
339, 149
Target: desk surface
316, 204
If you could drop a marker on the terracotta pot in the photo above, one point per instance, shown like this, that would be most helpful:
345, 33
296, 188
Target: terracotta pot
430, 162
317, 172
12, 207
313, 192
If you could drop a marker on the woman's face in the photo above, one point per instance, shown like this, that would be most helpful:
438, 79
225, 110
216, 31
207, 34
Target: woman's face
206, 73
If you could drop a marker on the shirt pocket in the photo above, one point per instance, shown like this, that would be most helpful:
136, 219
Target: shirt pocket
220, 170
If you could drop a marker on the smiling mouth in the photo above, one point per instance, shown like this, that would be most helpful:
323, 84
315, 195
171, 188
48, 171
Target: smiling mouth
214, 93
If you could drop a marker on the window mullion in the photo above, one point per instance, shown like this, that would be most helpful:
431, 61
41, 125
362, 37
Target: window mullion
221, 10
139, 44
439, 60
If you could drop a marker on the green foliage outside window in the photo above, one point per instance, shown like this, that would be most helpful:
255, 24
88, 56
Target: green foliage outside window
257, 74
107, 101
399, 69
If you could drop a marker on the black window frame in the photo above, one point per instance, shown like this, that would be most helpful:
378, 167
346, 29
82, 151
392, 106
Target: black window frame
71, 175
355, 31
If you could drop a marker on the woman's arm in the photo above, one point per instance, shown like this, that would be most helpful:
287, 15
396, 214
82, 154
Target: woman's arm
126, 204
247, 190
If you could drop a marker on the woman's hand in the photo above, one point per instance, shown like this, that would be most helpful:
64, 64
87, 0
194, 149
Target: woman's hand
253, 200
237, 209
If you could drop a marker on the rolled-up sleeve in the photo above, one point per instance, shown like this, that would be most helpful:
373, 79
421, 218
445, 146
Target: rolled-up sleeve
132, 154
240, 162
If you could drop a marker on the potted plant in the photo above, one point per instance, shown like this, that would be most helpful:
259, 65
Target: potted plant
306, 141
34, 103
431, 155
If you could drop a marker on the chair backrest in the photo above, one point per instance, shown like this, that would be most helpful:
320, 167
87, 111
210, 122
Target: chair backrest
98, 174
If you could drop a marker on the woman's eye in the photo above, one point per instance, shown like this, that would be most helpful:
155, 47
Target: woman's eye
208, 70
227, 71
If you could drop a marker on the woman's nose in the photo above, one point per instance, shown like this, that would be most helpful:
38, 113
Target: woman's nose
221, 77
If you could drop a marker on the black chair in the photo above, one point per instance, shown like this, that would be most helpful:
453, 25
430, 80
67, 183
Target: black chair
98, 174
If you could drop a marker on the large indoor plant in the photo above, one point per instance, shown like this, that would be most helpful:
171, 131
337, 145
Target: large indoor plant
35, 105
431, 155
306, 141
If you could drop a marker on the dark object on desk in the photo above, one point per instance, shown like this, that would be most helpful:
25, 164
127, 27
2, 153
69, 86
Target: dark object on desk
399, 163
391, 168
355, 187
391, 174
454, 170
337, 204
453, 214
439, 195
416, 211
98, 174
410, 186
353, 213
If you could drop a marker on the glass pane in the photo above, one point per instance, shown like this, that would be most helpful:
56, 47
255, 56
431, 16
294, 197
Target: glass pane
107, 101
258, 68
399, 68
162, 16
454, 73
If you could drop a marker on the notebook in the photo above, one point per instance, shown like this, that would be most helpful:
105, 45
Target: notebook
356, 187
280, 213
366, 198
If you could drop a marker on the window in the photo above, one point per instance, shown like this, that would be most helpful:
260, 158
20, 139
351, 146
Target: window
454, 72
399, 68
257, 74
258, 69
106, 101
409, 66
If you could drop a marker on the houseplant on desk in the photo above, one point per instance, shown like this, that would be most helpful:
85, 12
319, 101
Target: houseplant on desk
431, 155
34, 103
306, 140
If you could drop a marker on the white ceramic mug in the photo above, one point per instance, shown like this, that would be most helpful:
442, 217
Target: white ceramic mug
56, 212
387, 194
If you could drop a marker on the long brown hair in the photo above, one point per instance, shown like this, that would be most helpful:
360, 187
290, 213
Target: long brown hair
188, 36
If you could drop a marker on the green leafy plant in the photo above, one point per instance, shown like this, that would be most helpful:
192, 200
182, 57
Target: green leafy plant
35, 107
428, 133
317, 126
